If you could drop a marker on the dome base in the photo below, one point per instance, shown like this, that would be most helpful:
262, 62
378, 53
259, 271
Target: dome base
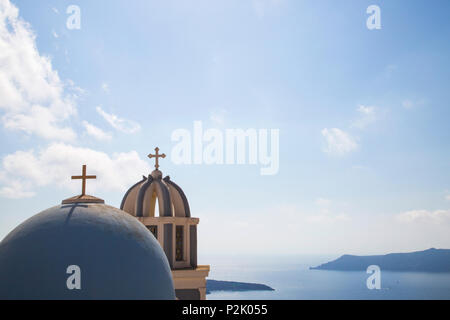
84, 198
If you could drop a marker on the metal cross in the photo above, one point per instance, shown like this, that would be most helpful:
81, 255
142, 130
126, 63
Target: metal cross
84, 177
156, 156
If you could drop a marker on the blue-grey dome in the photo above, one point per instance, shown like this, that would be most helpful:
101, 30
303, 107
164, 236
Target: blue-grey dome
118, 258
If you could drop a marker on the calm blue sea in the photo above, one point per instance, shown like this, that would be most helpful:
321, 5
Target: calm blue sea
292, 279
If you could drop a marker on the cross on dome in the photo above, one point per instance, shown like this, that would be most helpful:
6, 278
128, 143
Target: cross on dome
157, 156
83, 177
83, 197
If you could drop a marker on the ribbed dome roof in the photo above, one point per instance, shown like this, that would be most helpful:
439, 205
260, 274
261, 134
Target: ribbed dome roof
140, 199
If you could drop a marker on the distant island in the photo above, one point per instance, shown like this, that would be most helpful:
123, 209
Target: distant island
431, 260
216, 285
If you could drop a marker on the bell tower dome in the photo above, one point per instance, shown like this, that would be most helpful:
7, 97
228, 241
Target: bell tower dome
172, 226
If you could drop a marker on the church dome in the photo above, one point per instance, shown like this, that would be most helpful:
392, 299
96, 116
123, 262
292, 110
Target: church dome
140, 199
116, 256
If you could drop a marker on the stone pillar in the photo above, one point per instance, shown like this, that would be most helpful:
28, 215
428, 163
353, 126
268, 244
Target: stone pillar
168, 242
193, 245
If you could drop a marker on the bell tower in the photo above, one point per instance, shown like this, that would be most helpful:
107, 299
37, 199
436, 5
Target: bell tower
172, 226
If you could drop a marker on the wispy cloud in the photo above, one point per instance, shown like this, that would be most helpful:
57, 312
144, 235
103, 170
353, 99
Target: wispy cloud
323, 202
16, 190
410, 104
35, 101
33, 98
23, 171
367, 116
122, 125
447, 196
338, 142
426, 216
96, 132
407, 104
105, 87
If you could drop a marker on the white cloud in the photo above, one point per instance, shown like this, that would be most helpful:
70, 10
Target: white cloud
32, 96
410, 104
338, 141
40, 121
105, 87
323, 202
407, 104
23, 171
96, 132
34, 100
123, 125
447, 197
326, 213
15, 190
55, 10
426, 216
367, 115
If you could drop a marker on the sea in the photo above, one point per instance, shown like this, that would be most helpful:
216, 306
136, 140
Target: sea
292, 279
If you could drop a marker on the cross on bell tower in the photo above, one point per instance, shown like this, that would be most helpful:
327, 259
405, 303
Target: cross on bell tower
157, 156
83, 177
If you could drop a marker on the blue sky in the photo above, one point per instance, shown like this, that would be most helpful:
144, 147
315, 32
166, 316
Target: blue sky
362, 115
